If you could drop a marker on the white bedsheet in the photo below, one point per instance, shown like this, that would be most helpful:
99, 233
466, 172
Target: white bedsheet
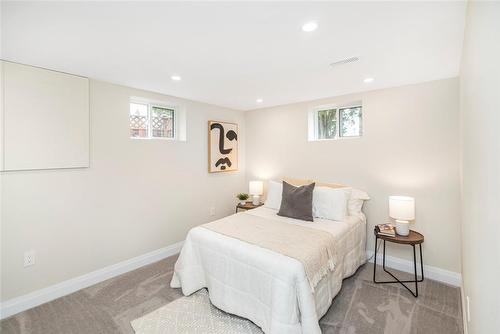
268, 288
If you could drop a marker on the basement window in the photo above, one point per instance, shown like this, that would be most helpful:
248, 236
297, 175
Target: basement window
148, 121
332, 122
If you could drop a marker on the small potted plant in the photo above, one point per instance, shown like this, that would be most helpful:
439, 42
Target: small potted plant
243, 198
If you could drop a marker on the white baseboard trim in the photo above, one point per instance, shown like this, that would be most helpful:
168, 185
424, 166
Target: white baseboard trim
435, 273
25, 302
464, 310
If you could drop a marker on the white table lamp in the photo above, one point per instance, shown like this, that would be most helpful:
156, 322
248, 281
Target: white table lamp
256, 188
402, 209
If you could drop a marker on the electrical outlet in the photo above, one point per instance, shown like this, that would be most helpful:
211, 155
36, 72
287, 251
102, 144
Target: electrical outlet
29, 258
468, 308
212, 211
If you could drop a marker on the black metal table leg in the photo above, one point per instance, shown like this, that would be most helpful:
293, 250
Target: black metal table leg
421, 263
416, 280
383, 258
415, 269
375, 258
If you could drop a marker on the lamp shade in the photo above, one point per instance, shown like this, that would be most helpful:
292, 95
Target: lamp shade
255, 187
402, 207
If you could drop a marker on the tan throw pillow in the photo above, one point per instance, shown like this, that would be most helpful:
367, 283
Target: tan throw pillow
296, 202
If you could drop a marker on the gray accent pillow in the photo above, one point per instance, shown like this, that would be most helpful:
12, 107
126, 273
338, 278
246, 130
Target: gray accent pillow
296, 202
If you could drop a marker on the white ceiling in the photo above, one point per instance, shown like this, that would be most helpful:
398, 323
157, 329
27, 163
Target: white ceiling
230, 54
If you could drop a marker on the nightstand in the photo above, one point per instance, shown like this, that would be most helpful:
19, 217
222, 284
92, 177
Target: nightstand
247, 206
413, 239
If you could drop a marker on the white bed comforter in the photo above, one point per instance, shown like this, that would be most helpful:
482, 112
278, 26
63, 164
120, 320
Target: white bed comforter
268, 288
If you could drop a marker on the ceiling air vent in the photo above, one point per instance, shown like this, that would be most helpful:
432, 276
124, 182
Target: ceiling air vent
344, 61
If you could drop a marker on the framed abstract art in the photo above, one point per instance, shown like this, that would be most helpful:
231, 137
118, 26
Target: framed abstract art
222, 146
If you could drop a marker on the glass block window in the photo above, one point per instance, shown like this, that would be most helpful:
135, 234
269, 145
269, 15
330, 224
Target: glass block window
151, 121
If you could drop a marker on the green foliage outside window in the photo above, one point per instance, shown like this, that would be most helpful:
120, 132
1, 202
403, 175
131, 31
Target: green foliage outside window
350, 120
327, 123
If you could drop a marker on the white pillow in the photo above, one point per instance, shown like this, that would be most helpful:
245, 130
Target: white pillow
274, 192
330, 203
356, 200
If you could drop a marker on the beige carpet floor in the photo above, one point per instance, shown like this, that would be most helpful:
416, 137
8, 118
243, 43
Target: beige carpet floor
360, 307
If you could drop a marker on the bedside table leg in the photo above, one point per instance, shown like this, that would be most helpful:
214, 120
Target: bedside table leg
415, 268
421, 264
375, 259
383, 257
416, 280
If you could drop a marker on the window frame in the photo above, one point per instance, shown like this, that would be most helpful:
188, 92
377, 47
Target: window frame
150, 105
313, 116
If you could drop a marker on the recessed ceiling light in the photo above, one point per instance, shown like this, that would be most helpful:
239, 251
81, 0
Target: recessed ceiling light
259, 100
175, 77
310, 26
368, 80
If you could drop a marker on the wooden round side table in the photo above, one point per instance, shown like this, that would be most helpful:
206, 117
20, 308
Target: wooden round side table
247, 206
413, 239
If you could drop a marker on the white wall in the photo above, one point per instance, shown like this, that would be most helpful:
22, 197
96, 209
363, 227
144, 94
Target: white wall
137, 195
46, 117
480, 104
410, 146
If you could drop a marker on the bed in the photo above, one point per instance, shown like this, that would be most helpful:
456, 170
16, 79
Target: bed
264, 286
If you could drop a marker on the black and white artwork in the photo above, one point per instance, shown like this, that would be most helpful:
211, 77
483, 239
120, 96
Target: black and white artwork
222, 146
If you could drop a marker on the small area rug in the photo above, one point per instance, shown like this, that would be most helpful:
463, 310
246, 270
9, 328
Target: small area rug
192, 315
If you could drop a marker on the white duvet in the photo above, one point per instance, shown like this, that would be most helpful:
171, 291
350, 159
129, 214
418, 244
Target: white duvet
268, 288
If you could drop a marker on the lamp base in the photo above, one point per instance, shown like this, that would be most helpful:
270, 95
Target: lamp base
403, 227
255, 199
